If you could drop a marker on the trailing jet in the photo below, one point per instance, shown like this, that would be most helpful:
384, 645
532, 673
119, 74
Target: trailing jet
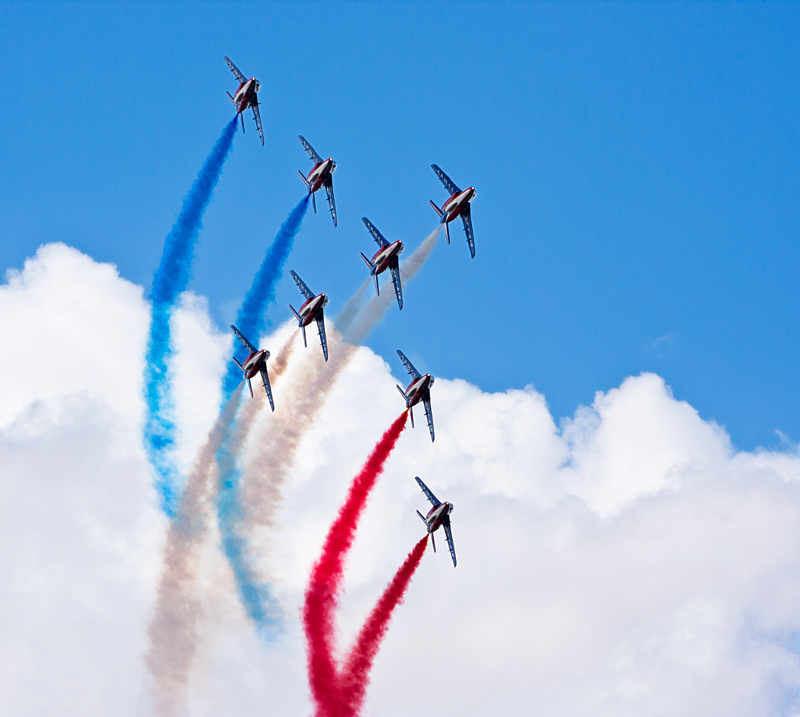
457, 205
438, 516
385, 258
418, 390
311, 310
255, 363
319, 176
246, 96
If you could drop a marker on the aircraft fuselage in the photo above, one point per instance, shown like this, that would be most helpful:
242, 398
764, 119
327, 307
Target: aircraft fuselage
436, 516
310, 310
254, 363
320, 173
418, 389
247, 94
457, 204
385, 256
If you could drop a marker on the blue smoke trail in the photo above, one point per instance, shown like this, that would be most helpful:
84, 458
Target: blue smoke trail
169, 281
256, 596
250, 320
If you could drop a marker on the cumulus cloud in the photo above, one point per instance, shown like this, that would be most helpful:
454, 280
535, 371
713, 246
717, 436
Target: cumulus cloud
625, 561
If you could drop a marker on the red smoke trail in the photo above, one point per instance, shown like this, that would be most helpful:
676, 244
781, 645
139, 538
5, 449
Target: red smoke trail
354, 679
326, 576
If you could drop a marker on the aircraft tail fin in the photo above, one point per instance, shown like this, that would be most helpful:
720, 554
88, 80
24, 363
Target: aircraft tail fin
447, 232
367, 262
433, 540
305, 343
314, 201
303, 177
241, 114
411, 414
250, 386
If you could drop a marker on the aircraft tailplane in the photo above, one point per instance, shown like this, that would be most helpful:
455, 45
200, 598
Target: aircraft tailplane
422, 518
238, 364
296, 315
437, 210
303, 177
233, 101
403, 394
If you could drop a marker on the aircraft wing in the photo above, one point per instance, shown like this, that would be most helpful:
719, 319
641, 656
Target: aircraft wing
429, 415
398, 287
245, 342
466, 217
379, 238
448, 532
427, 491
449, 185
302, 286
331, 200
308, 148
257, 118
267, 387
322, 337
235, 70
409, 366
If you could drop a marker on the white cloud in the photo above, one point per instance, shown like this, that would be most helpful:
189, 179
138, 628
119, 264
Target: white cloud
627, 563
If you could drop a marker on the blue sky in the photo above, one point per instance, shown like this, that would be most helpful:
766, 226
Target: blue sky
636, 166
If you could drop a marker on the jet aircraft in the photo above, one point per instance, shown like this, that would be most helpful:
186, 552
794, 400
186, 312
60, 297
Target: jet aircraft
319, 176
385, 258
457, 205
246, 96
255, 363
438, 516
418, 390
311, 310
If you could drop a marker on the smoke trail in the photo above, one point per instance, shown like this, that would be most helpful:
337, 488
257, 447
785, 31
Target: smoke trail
173, 630
250, 319
326, 576
172, 634
260, 487
169, 281
354, 678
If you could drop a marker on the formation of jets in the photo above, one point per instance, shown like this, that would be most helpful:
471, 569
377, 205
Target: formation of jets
386, 258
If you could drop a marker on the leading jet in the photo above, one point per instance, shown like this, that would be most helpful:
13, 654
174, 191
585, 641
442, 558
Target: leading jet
311, 310
319, 176
246, 96
385, 258
255, 363
418, 390
456, 206
438, 516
